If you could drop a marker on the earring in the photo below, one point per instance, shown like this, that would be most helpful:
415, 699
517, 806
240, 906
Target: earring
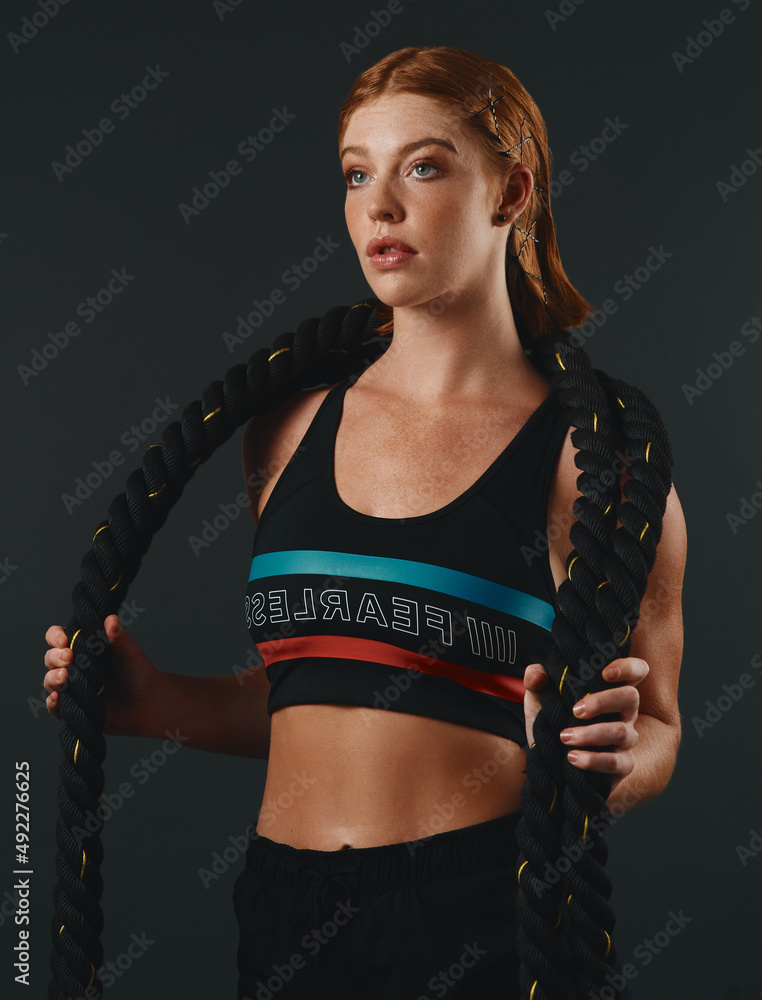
501, 218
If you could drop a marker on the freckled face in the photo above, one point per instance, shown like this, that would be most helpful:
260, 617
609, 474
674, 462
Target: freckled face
436, 198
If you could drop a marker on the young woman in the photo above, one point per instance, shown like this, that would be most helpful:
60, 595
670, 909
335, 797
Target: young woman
412, 534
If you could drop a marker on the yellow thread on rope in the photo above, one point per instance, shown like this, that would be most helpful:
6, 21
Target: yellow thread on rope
360, 304
117, 583
584, 832
627, 636
71, 644
601, 584
533, 746
520, 871
595, 421
338, 350
568, 572
100, 530
153, 446
561, 682
62, 927
213, 412
555, 793
559, 919
102, 687
620, 402
608, 508
644, 531
568, 900
648, 448
560, 361
92, 976
534, 987
195, 463
608, 945
82, 872
157, 492
76, 749
275, 355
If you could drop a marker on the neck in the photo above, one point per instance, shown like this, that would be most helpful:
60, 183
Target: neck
441, 352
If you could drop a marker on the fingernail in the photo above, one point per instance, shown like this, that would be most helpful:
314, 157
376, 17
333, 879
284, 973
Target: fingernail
612, 673
566, 735
59, 675
580, 708
572, 756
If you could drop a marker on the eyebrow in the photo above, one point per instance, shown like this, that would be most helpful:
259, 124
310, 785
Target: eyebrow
408, 148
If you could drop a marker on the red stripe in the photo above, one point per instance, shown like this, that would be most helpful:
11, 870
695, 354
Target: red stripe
343, 647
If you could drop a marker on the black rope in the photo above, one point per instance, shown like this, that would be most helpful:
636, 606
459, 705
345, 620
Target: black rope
598, 606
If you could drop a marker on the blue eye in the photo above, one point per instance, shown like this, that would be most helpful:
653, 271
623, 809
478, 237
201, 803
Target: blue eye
349, 174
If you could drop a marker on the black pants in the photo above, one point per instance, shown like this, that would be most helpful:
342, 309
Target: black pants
417, 920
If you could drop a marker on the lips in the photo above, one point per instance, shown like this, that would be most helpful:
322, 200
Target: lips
380, 243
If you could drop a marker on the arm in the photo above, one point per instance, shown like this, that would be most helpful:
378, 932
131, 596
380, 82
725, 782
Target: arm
648, 736
220, 714
642, 768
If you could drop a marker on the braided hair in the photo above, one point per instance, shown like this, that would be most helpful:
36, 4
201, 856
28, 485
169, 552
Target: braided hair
564, 811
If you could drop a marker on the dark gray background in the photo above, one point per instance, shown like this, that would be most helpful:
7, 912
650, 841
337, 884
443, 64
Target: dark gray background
656, 185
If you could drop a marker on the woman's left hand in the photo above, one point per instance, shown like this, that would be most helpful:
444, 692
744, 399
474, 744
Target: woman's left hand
629, 671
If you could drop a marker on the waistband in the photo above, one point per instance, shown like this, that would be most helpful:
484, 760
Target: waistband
470, 850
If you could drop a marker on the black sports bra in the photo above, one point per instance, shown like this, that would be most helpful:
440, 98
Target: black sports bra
435, 615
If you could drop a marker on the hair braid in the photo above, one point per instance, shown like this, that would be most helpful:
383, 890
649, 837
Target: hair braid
329, 348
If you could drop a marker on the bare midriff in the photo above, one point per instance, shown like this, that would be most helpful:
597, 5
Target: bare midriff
344, 776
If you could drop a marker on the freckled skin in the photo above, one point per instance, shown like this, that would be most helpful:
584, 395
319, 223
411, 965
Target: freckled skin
455, 383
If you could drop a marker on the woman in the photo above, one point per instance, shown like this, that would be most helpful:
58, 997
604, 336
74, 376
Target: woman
400, 704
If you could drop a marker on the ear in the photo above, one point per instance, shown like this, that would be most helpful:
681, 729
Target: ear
516, 190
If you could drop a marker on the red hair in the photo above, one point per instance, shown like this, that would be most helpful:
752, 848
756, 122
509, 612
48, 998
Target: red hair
460, 80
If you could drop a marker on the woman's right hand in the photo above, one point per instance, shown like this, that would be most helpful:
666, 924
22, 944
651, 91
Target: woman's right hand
132, 693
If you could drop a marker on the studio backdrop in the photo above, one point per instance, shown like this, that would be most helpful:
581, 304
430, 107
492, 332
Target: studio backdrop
173, 201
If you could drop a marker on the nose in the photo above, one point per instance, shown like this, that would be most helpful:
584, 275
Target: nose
384, 203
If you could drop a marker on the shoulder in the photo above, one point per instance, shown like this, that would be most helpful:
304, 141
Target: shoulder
271, 438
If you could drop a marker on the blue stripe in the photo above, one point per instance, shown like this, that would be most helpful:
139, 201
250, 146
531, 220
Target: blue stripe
417, 574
